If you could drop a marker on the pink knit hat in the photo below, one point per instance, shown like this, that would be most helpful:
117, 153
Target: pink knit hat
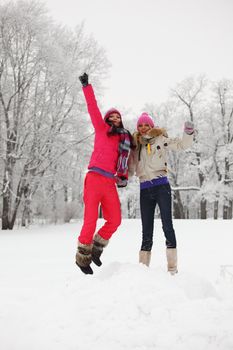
145, 119
110, 111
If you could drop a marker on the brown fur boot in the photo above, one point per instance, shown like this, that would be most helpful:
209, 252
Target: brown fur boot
171, 254
83, 258
144, 257
99, 243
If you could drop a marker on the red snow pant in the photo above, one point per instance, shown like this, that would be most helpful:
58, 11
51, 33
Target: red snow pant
99, 189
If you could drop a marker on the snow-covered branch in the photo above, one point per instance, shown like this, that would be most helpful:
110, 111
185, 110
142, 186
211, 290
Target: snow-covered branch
185, 188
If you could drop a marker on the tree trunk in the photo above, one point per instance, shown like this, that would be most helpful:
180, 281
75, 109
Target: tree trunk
187, 209
54, 207
178, 208
24, 219
5, 203
67, 214
65, 187
203, 209
227, 210
216, 210
230, 209
26, 216
5, 212
129, 207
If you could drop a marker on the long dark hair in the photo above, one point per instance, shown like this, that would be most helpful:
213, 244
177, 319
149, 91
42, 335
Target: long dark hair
113, 130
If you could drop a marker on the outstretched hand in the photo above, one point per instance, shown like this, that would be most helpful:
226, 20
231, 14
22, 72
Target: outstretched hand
84, 79
188, 127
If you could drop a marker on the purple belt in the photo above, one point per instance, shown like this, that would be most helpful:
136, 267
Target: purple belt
101, 172
154, 182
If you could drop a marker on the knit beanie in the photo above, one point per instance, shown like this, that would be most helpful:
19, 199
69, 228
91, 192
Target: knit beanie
109, 112
145, 119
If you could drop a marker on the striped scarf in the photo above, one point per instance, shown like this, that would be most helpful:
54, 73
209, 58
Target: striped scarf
124, 148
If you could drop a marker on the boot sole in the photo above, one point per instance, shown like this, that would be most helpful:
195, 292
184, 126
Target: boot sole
97, 262
86, 270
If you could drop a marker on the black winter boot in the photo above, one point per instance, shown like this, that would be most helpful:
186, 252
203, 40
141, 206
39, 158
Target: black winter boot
98, 245
83, 258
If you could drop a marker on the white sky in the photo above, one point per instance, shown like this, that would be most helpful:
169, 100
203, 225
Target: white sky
154, 44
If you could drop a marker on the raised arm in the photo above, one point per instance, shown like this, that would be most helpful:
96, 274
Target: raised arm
92, 107
178, 144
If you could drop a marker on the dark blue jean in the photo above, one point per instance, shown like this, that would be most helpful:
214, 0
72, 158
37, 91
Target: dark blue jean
149, 198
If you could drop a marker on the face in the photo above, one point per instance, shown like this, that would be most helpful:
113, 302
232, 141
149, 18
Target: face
115, 119
143, 128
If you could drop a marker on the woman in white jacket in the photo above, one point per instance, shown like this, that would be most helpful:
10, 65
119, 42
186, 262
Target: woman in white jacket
149, 161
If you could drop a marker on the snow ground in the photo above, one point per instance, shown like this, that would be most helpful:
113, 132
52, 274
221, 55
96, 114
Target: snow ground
47, 303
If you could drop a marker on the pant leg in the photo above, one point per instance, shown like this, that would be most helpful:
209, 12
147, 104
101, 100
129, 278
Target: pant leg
147, 208
165, 206
111, 209
91, 197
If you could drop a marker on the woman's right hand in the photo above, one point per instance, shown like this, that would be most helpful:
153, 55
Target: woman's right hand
84, 79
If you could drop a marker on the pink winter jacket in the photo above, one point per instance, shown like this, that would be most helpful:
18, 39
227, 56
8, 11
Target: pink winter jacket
105, 153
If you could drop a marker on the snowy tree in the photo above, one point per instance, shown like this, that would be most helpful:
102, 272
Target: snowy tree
39, 98
189, 94
201, 177
222, 131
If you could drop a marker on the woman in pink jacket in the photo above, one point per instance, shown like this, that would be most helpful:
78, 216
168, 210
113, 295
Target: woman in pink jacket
107, 167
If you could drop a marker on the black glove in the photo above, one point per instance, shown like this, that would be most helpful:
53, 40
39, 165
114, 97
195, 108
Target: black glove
121, 181
84, 79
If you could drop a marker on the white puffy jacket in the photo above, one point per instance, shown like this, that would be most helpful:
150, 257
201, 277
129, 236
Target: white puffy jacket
150, 162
